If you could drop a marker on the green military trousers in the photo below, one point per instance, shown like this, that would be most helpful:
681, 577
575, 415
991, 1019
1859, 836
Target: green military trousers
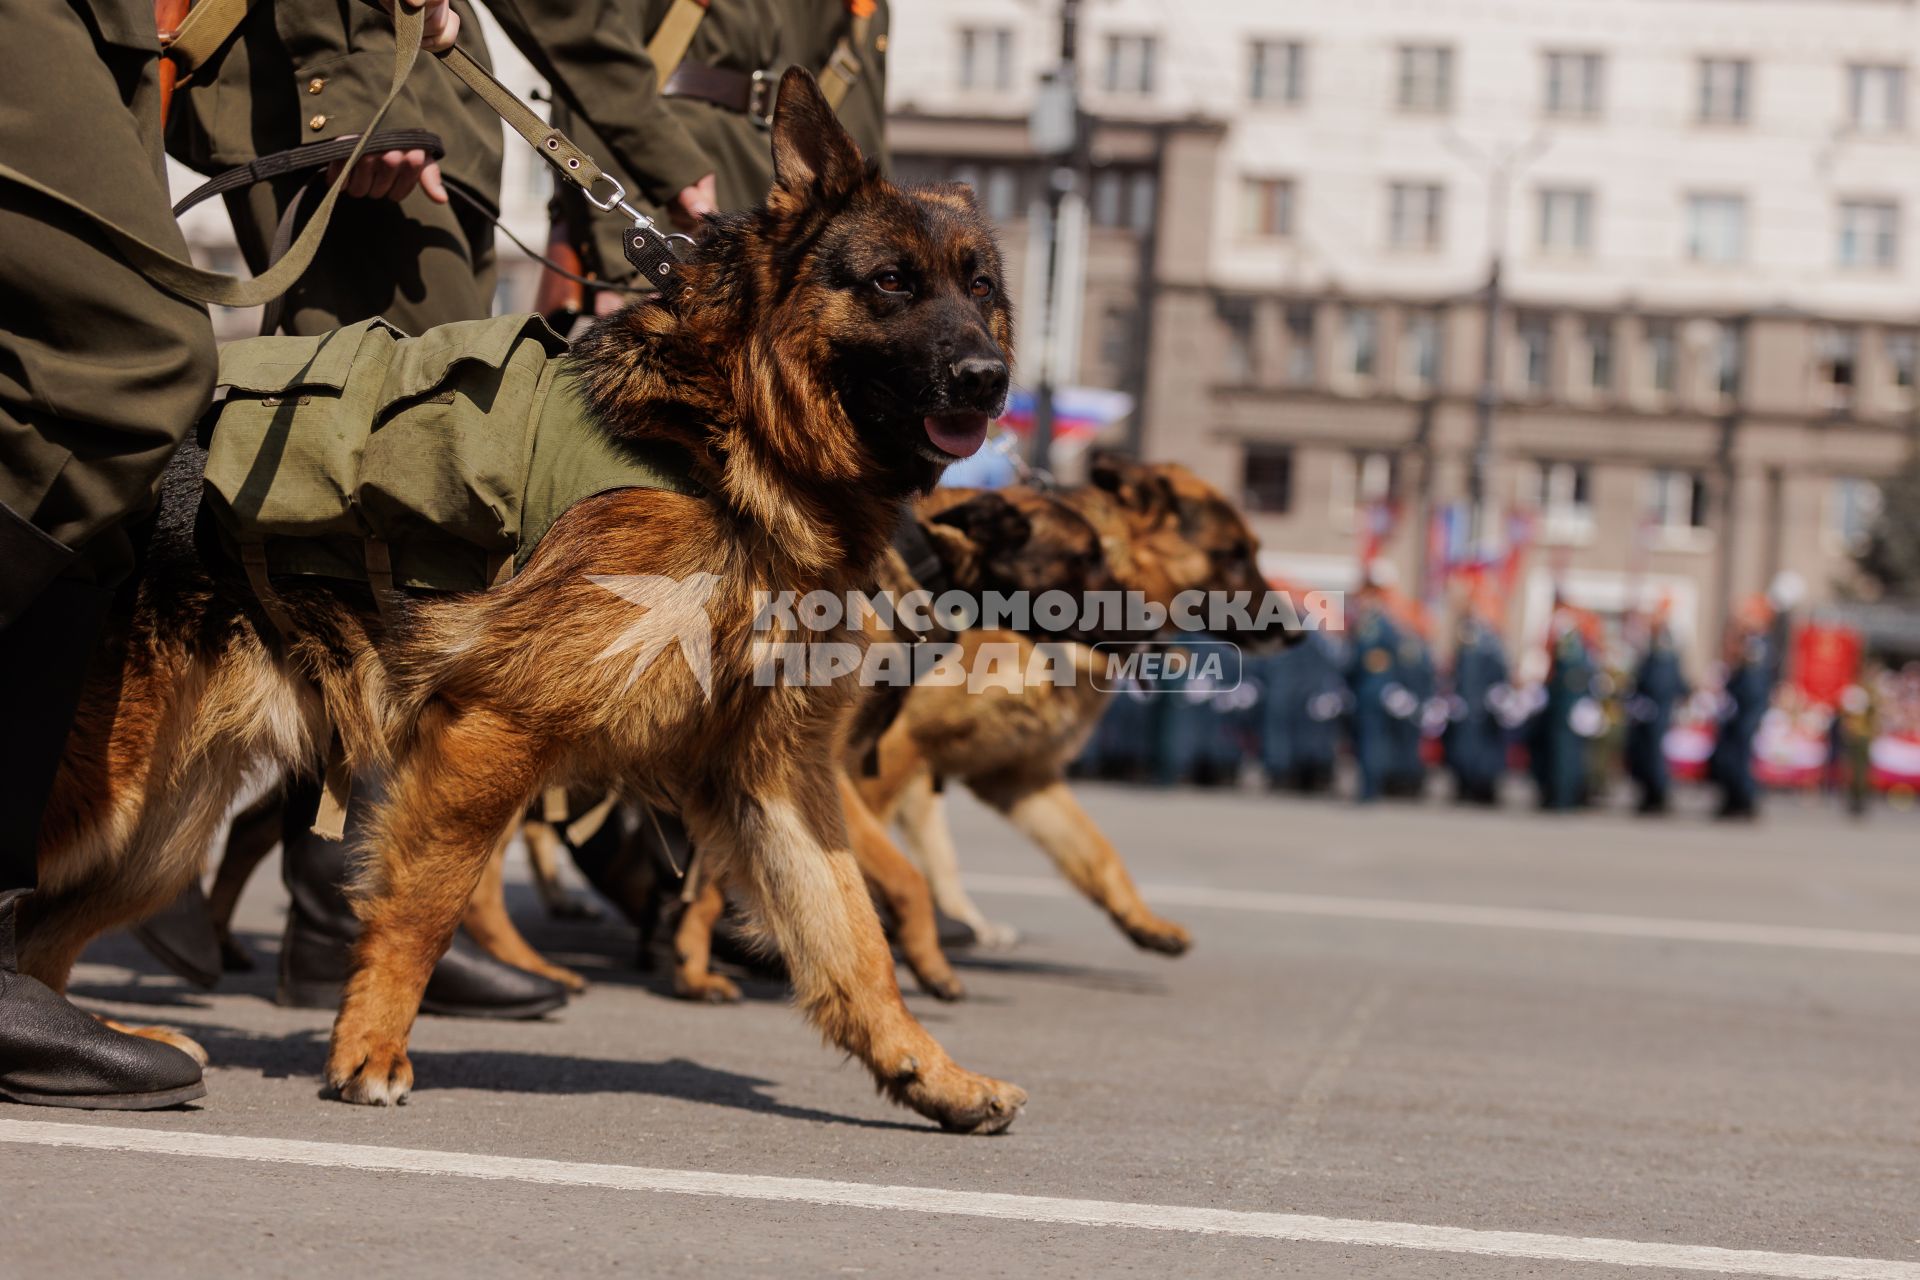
102, 374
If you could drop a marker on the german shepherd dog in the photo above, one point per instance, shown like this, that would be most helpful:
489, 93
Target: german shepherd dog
1165, 531
823, 357
1013, 541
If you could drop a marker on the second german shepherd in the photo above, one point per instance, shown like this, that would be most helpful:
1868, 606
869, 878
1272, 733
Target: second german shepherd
822, 358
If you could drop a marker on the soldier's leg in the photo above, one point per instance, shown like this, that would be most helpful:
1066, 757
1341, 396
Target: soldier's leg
101, 375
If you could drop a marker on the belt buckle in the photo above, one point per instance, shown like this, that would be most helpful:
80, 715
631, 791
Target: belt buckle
760, 99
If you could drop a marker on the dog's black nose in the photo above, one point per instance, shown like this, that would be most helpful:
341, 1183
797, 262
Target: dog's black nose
978, 380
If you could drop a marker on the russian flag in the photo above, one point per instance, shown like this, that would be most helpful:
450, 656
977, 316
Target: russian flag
1077, 411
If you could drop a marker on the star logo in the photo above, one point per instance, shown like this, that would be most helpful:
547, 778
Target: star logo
675, 614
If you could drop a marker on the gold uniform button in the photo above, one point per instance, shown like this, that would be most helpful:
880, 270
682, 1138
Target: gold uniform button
318, 122
316, 84
880, 43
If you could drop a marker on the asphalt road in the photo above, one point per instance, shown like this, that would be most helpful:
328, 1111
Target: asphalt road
1403, 1035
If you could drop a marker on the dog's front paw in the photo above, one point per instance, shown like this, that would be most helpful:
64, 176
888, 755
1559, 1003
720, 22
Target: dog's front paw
995, 937
941, 986
1155, 934
165, 1035
708, 988
960, 1101
369, 1075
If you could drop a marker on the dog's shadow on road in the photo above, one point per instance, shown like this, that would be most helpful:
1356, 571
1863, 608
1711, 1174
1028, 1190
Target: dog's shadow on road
299, 1055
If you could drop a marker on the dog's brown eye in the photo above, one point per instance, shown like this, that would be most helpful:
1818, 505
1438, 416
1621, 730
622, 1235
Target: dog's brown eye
890, 282
982, 287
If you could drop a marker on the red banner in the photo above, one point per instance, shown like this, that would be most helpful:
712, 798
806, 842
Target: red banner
1825, 661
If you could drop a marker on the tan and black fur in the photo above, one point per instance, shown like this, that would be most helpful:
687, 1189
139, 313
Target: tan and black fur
1016, 540
1165, 531
801, 365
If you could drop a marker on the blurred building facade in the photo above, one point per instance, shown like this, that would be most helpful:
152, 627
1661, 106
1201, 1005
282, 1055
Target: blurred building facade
1709, 341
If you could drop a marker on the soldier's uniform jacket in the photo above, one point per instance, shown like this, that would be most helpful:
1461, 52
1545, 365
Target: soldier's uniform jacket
303, 71
102, 373
814, 32
656, 145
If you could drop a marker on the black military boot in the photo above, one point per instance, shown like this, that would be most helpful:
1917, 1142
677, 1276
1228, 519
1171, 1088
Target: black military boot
53, 1055
315, 952
181, 937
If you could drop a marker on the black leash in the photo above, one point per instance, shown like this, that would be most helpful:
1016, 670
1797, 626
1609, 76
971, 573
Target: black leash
314, 155
656, 260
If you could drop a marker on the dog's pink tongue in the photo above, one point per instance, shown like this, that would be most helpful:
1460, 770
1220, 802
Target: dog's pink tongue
960, 434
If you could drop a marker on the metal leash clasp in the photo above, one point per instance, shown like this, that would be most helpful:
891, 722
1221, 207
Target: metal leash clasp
618, 200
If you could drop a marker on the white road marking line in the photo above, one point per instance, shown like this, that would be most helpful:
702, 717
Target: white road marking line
1297, 1227
1587, 922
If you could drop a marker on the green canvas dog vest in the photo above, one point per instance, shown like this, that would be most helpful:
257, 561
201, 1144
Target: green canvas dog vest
433, 462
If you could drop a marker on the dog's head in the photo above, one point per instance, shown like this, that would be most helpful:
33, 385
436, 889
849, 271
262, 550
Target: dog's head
1175, 533
1020, 540
895, 295
824, 354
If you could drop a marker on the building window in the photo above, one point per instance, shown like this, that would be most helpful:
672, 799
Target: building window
1117, 337
1717, 228
1000, 193
1266, 208
1142, 195
1725, 361
1535, 333
1600, 354
1676, 501
1413, 215
1130, 64
1853, 508
1426, 78
1300, 362
986, 58
1724, 90
1836, 361
1877, 98
1362, 481
1573, 85
1869, 234
1109, 194
1237, 317
1566, 221
1278, 72
1903, 362
1562, 493
1420, 349
1266, 479
1662, 355
1363, 342
1123, 198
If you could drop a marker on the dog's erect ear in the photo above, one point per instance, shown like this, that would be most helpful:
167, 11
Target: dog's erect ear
990, 522
1138, 487
812, 154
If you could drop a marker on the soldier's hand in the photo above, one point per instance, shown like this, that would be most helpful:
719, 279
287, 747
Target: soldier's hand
442, 23
392, 175
693, 204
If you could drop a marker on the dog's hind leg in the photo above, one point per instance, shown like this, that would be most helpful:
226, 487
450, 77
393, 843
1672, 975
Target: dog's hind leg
929, 839
254, 832
487, 923
693, 975
1044, 808
792, 861
468, 774
905, 892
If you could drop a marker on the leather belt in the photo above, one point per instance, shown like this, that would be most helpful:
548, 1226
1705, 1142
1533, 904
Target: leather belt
751, 93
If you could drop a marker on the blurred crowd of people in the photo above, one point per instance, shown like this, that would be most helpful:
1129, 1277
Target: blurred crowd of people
1603, 708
